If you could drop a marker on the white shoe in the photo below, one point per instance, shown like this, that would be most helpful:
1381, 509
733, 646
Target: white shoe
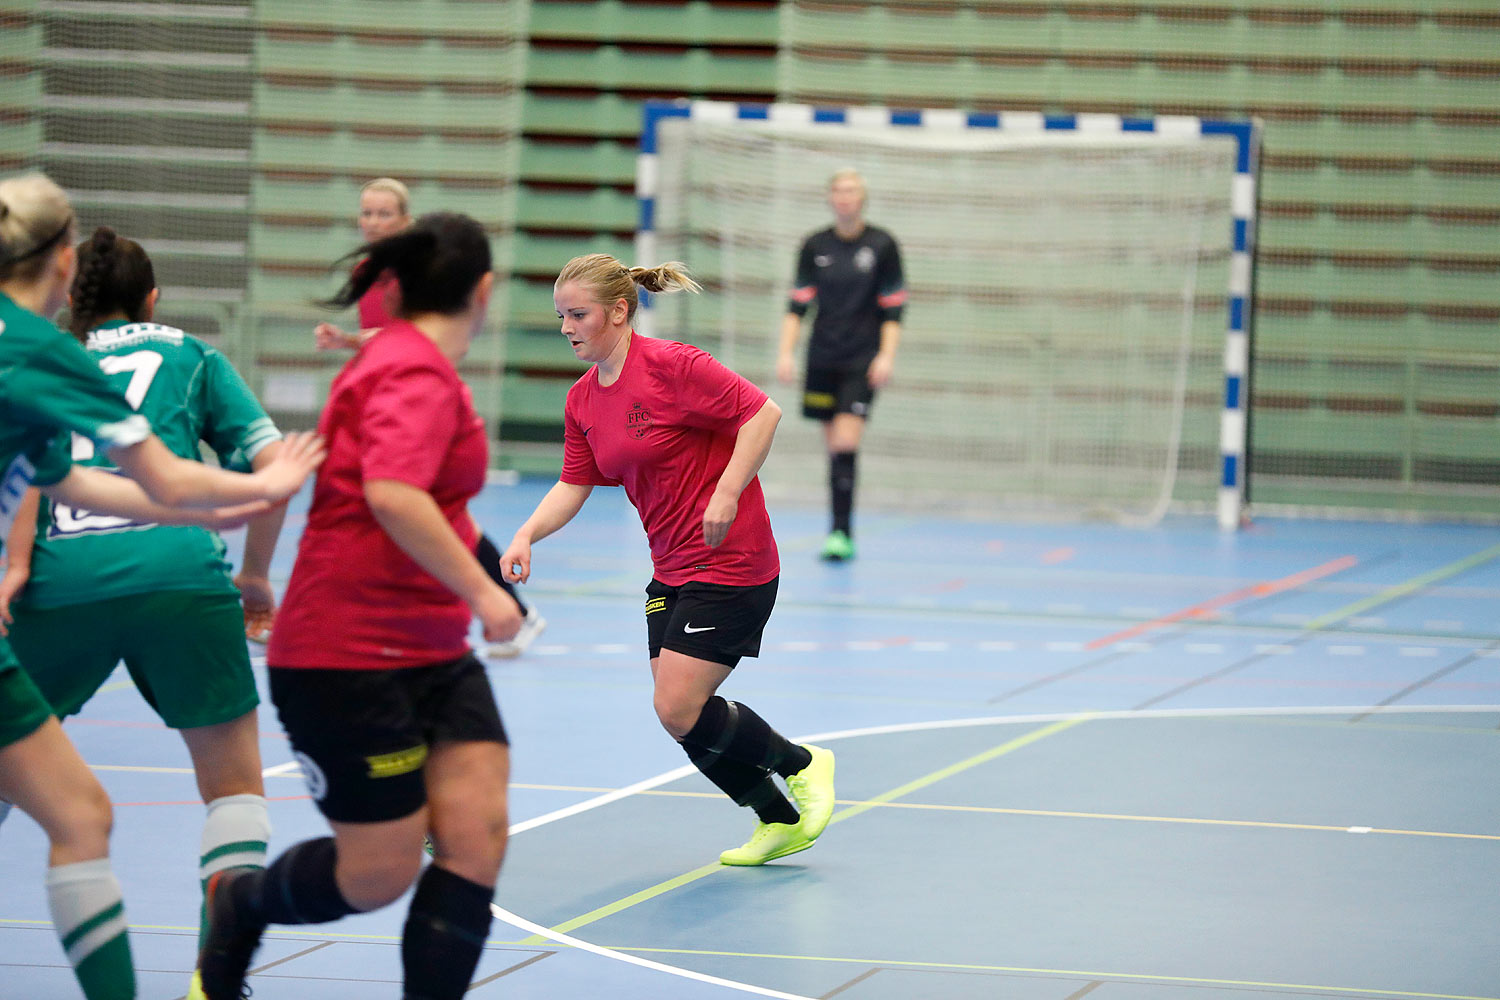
531, 627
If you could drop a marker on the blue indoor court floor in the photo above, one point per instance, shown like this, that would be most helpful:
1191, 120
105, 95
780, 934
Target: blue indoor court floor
1073, 760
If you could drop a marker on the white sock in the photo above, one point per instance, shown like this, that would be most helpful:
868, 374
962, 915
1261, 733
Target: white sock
87, 907
235, 833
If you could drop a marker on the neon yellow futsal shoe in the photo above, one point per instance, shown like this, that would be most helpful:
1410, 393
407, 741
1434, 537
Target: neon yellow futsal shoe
769, 842
812, 790
837, 547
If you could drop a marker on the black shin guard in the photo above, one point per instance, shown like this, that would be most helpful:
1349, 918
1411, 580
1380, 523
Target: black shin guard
445, 931
841, 490
298, 888
736, 732
746, 784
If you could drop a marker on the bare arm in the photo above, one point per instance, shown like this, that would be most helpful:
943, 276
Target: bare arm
413, 520
561, 504
178, 482
879, 372
751, 446
18, 548
786, 363
254, 577
106, 493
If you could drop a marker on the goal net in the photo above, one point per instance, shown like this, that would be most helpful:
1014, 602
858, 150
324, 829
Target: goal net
1063, 347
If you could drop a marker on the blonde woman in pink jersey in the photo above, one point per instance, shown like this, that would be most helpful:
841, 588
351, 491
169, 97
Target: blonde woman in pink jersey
685, 437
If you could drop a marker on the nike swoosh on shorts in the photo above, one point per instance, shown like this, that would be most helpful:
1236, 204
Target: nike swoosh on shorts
702, 628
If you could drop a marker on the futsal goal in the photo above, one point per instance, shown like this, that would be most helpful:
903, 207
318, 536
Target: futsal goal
1076, 336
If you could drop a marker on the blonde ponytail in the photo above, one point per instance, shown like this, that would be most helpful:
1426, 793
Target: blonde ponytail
608, 280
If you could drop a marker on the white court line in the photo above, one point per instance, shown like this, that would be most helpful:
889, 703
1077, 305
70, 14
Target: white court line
521, 923
645, 963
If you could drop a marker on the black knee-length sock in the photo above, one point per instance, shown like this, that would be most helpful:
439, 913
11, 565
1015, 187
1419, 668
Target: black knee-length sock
444, 935
746, 784
730, 744
841, 490
297, 888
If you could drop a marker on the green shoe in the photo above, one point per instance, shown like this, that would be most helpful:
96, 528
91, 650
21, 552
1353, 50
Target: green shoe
812, 790
768, 842
837, 547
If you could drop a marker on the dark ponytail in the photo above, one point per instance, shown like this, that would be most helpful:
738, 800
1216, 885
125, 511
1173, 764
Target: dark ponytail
437, 262
114, 276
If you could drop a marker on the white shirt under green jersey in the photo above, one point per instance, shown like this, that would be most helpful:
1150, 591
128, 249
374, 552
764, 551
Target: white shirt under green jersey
190, 393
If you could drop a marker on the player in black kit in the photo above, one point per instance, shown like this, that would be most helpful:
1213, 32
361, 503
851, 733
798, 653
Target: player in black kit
852, 270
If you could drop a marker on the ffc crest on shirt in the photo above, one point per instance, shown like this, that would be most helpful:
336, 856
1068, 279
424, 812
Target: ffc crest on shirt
637, 420
864, 258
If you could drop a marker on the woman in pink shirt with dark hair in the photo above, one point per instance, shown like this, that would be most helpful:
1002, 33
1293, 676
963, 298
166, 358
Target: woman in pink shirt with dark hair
685, 437
387, 709
385, 210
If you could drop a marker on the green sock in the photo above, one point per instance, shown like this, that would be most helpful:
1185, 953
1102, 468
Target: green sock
89, 915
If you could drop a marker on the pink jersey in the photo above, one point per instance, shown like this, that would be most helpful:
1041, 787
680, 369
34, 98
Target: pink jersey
665, 430
377, 307
397, 410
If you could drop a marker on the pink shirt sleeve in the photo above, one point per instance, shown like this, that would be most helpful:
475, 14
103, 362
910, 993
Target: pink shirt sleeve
713, 397
408, 424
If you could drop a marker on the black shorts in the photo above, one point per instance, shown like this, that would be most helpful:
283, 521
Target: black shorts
362, 736
710, 621
828, 391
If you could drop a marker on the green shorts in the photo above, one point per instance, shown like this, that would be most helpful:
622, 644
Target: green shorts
185, 651
22, 707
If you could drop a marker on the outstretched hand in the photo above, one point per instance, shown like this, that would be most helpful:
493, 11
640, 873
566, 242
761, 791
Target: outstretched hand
301, 452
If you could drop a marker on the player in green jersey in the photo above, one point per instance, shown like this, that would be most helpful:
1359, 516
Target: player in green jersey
158, 597
49, 386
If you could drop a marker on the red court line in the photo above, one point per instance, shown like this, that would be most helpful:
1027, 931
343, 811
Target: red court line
1056, 556
1262, 589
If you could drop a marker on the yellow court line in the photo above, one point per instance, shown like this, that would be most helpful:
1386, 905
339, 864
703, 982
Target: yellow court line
686, 878
1402, 589
1190, 820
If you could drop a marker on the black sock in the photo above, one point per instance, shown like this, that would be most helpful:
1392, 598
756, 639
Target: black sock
736, 732
298, 887
444, 935
841, 488
489, 558
746, 784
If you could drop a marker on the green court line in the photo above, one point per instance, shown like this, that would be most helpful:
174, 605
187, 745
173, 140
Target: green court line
659, 889
1133, 976
963, 765
1402, 589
